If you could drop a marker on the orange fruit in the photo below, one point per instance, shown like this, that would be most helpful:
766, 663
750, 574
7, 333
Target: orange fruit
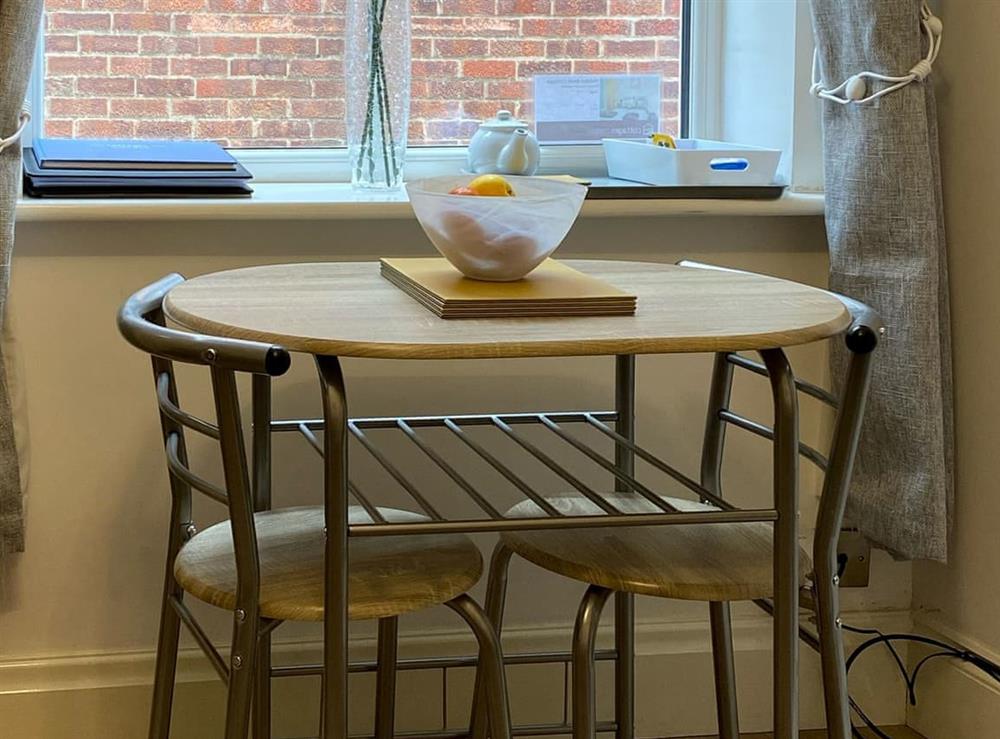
491, 184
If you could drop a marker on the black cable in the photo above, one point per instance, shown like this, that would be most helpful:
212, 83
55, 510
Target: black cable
990, 668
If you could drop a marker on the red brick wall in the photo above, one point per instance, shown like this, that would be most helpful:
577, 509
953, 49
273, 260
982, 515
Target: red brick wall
268, 72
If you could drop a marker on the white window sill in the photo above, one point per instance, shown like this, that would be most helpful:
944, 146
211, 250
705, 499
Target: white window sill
325, 201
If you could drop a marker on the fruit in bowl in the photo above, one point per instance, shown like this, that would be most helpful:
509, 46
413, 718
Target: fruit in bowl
488, 184
513, 225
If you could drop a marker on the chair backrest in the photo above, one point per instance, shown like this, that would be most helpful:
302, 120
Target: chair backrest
861, 339
142, 323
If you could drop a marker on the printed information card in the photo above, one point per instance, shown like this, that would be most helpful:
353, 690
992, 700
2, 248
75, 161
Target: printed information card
583, 109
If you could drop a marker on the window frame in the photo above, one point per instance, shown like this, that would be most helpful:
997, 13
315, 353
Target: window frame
703, 111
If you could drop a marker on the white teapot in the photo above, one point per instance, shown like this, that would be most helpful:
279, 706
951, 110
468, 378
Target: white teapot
504, 145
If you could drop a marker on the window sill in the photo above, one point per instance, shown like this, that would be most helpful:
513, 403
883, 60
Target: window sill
325, 201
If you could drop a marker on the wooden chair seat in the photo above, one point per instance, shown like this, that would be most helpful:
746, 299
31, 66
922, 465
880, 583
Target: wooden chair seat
388, 575
706, 562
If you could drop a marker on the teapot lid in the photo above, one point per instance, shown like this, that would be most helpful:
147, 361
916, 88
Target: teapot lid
504, 121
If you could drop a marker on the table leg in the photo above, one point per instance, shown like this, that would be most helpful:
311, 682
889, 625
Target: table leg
786, 556
335, 625
625, 602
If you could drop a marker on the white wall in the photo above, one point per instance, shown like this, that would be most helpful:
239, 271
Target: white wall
78, 609
961, 599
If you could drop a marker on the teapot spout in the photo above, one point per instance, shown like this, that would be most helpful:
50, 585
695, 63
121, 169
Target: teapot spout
517, 156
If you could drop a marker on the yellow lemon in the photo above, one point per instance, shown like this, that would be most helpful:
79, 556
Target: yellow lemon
491, 184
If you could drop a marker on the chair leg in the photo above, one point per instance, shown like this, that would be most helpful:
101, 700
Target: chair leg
725, 671
831, 654
625, 665
385, 678
496, 594
584, 637
490, 664
262, 690
166, 666
242, 670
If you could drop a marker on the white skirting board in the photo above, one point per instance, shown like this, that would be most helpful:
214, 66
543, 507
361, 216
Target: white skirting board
954, 700
106, 696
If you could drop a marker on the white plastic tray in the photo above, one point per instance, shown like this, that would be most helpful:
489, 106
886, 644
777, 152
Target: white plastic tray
693, 162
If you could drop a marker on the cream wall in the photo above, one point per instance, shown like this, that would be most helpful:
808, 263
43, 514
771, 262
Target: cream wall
86, 590
962, 599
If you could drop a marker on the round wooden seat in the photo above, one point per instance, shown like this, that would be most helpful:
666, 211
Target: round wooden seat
707, 562
389, 575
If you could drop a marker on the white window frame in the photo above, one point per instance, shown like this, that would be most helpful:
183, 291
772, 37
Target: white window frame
788, 41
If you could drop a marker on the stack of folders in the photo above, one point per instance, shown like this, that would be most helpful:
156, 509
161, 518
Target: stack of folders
121, 168
553, 290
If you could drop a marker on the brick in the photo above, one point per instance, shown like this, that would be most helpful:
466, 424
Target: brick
111, 4
513, 89
227, 45
454, 88
599, 66
315, 67
54, 42
636, 7
603, 27
465, 8
333, 129
188, 67
258, 67
163, 129
481, 110
240, 24
284, 128
58, 128
288, 46
658, 27
139, 108
236, 6
60, 86
294, 6
104, 129
635, 48
282, 88
141, 22
79, 21
51, 5
580, 7
669, 48
223, 129
173, 45
317, 25
664, 68
425, 68
109, 43
224, 88
139, 66
165, 87
527, 70
573, 49
75, 66
176, 6
333, 47
489, 68
515, 48
112, 86
443, 109
76, 107
460, 48
450, 130
258, 108
524, 7
198, 108
550, 27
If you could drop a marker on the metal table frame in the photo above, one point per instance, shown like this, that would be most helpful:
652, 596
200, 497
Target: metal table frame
339, 428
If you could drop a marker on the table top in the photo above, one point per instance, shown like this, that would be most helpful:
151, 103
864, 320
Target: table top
348, 309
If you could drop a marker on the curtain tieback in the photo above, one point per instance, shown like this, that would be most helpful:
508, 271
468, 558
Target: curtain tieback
13, 138
855, 88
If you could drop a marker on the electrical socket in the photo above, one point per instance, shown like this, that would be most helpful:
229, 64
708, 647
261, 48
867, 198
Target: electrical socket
854, 555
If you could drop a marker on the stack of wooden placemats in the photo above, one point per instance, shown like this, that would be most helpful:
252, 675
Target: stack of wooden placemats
553, 290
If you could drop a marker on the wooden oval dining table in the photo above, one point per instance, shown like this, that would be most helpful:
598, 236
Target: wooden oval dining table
346, 309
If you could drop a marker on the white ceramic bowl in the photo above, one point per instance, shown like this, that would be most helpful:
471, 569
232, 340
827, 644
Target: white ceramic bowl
496, 238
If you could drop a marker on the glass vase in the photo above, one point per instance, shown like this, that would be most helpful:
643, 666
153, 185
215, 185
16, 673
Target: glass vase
377, 74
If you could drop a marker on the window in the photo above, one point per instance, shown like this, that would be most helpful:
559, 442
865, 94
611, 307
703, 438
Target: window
267, 73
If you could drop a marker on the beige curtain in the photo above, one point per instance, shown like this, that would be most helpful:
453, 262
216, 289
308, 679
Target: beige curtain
19, 20
887, 248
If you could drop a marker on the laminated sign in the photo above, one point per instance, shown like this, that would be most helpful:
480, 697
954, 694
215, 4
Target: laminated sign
583, 109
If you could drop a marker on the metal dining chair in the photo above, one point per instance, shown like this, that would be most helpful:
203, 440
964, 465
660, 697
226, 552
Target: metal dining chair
716, 563
266, 566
